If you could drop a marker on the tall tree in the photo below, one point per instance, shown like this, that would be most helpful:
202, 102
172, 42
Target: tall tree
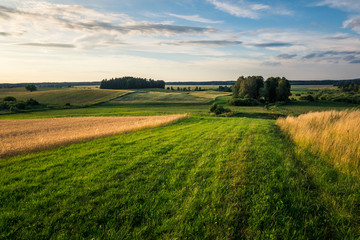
277, 89
248, 87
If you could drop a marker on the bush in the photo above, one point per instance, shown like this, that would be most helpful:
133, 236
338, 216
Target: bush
32, 102
244, 102
3, 106
13, 108
307, 98
218, 110
213, 107
20, 105
9, 99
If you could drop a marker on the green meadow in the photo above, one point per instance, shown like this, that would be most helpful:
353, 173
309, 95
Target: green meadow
202, 177
61, 96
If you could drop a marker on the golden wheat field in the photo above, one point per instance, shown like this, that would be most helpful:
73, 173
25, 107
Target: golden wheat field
20, 136
333, 133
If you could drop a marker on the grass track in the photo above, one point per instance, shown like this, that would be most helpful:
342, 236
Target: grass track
201, 178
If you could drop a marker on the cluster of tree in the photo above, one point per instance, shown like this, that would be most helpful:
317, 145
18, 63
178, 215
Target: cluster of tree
185, 89
11, 104
341, 83
351, 87
335, 96
131, 83
225, 89
254, 87
202, 83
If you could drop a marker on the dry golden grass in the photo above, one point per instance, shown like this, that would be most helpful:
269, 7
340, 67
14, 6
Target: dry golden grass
24, 136
333, 133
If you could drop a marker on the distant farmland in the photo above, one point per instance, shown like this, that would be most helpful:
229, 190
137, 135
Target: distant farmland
62, 96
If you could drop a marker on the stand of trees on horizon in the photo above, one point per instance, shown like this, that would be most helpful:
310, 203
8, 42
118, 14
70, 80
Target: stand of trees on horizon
131, 83
253, 89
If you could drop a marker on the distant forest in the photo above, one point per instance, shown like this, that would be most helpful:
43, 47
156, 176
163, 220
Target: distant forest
292, 82
325, 82
50, 84
202, 83
215, 83
131, 83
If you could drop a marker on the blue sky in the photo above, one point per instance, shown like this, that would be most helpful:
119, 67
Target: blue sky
189, 40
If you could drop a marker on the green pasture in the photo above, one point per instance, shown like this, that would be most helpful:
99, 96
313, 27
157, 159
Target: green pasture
168, 97
62, 96
159, 102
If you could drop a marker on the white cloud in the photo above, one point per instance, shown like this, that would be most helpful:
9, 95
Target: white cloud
353, 23
42, 24
247, 10
345, 5
194, 18
350, 6
238, 10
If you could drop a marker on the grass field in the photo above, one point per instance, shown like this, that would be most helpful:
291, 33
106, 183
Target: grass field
19, 136
62, 96
142, 97
332, 133
201, 178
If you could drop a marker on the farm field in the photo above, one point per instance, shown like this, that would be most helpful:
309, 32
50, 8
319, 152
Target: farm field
19, 136
312, 87
200, 177
62, 96
118, 108
168, 97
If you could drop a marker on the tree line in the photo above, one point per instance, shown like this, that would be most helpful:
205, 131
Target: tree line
131, 83
248, 89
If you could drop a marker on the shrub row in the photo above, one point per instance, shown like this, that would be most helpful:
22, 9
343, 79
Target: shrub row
11, 104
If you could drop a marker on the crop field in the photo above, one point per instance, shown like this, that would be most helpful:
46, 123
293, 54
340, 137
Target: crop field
62, 96
19, 136
168, 97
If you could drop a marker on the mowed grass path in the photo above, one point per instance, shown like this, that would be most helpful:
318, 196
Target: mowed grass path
201, 178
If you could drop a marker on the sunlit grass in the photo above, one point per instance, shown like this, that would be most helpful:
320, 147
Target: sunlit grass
332, 133
29, 135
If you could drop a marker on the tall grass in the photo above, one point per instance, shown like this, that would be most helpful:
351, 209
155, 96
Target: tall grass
332, 133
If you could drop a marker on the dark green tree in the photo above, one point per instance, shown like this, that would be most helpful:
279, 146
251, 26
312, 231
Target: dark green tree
236, 87
31, 87
277, 89
248, 87
283, 90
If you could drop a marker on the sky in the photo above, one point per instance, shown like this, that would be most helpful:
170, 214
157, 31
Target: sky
179, 40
